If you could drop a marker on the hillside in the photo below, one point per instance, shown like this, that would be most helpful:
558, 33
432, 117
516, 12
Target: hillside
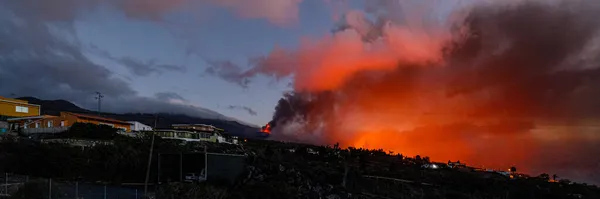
163, 120
275, 170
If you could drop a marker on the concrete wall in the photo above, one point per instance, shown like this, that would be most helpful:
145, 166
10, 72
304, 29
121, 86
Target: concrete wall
137, 126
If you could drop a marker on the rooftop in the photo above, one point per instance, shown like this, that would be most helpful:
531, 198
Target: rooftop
96, 118
30, 118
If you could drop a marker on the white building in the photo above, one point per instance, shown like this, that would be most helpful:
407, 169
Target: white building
137, 126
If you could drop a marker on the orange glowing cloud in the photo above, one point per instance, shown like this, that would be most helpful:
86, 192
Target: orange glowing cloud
478, 87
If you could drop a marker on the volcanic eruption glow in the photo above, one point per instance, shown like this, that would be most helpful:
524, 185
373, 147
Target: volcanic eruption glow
488, 86
266, 129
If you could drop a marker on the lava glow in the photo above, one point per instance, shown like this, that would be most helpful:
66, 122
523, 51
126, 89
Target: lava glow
496, 86
266, 129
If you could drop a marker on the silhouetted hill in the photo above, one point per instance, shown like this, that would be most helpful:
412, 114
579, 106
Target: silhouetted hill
54, 107
163, 120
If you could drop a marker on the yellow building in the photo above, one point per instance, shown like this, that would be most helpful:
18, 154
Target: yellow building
18, 108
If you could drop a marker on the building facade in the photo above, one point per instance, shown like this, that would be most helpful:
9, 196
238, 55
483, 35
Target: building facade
92, 119
18, 108
197, 127
137, 126
54, 124
197, 132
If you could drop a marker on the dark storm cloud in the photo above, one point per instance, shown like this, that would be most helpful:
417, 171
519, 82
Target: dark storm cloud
531, 57
244, 108
228, 71
40, 57
36, 61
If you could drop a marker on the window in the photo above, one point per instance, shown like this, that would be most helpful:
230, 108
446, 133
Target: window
50, 124
62, 123
37, 125
22, 109
205, 135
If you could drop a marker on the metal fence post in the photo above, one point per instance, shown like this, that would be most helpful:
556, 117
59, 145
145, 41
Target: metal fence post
76, 189
6, 183
136, 194
180, 167
50, 188
104, 191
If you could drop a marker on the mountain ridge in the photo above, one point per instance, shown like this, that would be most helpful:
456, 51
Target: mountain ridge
163, 120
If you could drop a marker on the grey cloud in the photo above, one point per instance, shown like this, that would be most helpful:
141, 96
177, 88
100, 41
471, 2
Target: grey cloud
165, 96
139, 104
141, 68
40, 57
135, 66
244, 108
228, 71
34, 61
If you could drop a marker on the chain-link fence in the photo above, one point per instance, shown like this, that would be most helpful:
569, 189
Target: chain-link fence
29, 187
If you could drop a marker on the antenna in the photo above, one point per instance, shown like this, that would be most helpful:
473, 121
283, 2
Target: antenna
99, 97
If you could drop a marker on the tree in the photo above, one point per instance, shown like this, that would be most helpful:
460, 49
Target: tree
513, 169
400, 156
336, 146
544, 176
426, 159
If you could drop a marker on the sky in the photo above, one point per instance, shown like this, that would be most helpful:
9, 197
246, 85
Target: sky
161, 53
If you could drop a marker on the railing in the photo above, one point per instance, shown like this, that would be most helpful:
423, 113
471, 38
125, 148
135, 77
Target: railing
59, 189
45, 130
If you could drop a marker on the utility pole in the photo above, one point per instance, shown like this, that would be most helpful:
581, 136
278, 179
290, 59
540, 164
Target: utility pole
99, 97
150, 159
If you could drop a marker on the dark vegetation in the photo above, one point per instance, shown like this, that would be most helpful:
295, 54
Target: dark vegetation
88, 131
274, 170
165, 120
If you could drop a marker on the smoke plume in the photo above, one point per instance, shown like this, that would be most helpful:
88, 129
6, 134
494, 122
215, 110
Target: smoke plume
495, 85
